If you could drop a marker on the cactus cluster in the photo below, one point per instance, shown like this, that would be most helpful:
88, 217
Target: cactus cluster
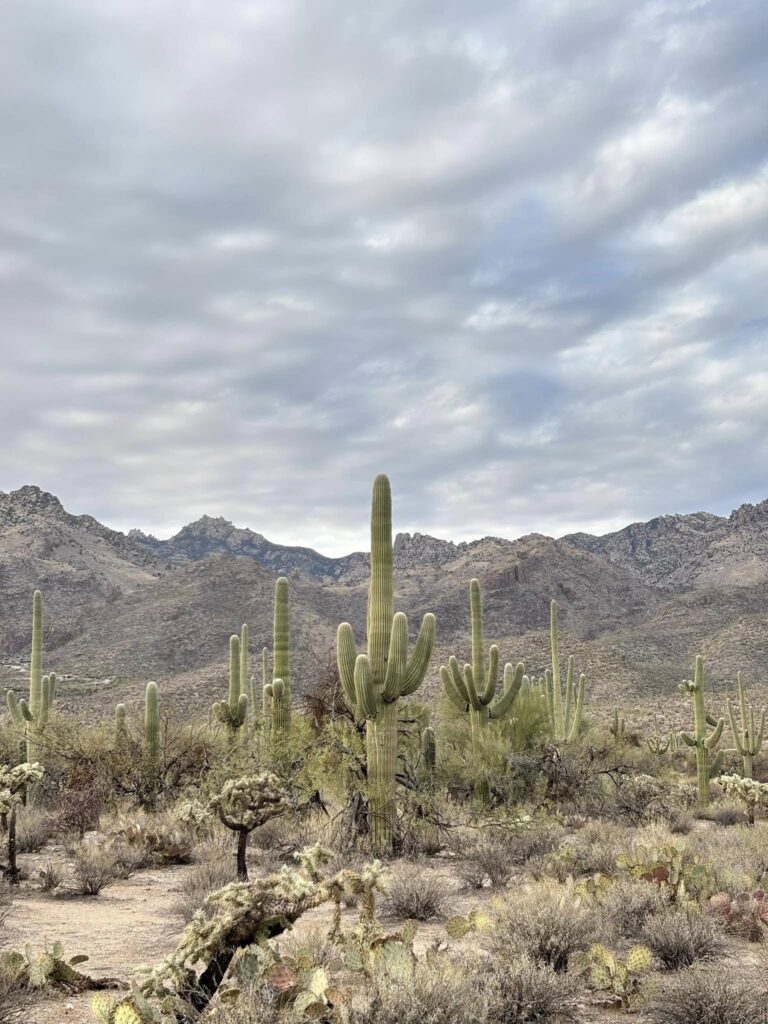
373, 683
473, 690
565, 711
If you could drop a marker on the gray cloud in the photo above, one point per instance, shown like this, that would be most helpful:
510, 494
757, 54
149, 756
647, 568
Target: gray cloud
515, 255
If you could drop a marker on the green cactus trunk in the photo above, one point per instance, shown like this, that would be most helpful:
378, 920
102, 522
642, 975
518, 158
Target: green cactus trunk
565, 715
701, 741
374, 683
121, 729
381, 756
152, 744
281, 669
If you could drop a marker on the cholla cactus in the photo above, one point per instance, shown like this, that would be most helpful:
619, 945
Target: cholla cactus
373, 683
747, 736
244, 804
13, 782
233, 712
565, 713
473, 691
750, 792
701, 741
31, 716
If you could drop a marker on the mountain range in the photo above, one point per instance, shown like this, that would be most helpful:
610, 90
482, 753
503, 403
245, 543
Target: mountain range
635, 605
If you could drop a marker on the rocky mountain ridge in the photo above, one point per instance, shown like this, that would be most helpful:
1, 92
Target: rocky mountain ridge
635, 604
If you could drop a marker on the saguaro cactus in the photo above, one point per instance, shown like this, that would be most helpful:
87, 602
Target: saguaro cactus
565, 714
152, 743
702, 742
747, 736
373, 683
233, 712
619, 726
281, 668
473, 691
121, 728
31, 716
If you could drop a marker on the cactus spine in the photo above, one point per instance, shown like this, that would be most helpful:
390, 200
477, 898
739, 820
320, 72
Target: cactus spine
152, 742
373, 683
565, 714
747, 737
474, 691
281, 670
702, 742
233, 712
31, 716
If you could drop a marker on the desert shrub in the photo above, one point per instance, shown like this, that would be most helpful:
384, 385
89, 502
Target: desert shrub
161, 840
681, 938
50, 876
417, 894
527, 992
313, 947
128, 858
724, 814
640, 798
594, 849
434, 992
487, 860
713, 996
546, 921
12, 988
680, 821
211, 871
93, 869
745, 914
629, 903
78, 811
33, 830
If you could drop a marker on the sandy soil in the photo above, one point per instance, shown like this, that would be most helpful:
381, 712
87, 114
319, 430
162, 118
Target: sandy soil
131, 923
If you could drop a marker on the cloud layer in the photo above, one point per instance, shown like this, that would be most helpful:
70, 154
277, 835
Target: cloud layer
513, 254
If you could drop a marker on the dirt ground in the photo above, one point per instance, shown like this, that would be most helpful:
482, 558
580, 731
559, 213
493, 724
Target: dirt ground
130, 923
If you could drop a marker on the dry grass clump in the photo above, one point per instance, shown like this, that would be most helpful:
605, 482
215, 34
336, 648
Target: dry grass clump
213, 869
526, 992
680, 938
629, 903
93, 869
417, 894
546, 922
50, 876
437, 992
713, 996
33, 830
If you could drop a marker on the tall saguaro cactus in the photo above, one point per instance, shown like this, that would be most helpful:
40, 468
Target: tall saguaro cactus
31, 716
704, 743
373, 683
473, 691
233, 712
565, 713
121, 728
152, 742
281, 668
747, 736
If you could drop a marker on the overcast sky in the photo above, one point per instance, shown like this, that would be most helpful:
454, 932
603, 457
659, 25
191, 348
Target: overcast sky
514, 254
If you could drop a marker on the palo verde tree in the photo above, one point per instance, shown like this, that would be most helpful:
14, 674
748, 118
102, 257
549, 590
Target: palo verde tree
373, 683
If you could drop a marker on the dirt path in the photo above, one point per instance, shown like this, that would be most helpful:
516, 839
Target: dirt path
131, 923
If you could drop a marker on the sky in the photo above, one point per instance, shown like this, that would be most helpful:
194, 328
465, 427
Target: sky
513, 253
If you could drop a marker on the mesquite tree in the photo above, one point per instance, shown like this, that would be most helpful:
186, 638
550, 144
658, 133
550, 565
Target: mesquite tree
244, 804
373, 683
